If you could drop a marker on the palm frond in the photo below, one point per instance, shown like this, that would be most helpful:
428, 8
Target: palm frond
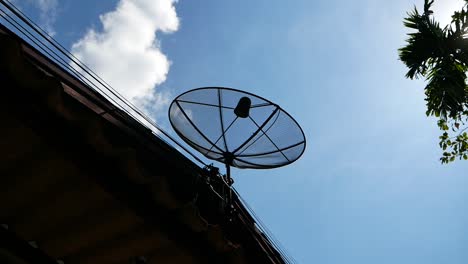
446, 90
422, 45
427, 6
441, 56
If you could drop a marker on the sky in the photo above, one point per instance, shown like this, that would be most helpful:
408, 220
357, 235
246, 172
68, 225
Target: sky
370, 187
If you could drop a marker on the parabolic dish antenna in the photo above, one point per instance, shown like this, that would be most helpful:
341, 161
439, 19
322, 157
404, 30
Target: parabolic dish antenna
237, 128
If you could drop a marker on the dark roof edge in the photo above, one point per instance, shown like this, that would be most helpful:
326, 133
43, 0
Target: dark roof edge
102, 106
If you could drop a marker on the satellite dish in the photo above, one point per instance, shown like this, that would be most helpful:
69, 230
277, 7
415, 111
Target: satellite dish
237, 128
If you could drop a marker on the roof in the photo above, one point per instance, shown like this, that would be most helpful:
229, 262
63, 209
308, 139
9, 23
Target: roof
84, 182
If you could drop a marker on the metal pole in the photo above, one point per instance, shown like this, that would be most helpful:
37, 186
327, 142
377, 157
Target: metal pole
228, 174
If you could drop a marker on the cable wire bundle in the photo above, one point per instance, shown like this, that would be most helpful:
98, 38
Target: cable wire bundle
41, 40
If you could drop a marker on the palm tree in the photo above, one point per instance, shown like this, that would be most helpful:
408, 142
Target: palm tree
440, 55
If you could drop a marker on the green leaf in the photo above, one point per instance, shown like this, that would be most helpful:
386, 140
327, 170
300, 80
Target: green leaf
440, 56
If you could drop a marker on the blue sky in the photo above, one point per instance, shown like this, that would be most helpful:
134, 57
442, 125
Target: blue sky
370, 187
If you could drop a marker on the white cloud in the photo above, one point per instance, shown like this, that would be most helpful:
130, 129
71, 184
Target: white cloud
47, 12
126, 52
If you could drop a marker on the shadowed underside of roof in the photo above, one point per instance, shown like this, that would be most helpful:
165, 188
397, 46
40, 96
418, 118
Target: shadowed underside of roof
86, 183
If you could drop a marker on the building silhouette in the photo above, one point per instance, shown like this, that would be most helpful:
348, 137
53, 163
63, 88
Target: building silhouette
82, 181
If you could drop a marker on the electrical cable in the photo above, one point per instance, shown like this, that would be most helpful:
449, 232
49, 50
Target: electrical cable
265, 230
82, 67
84, 70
